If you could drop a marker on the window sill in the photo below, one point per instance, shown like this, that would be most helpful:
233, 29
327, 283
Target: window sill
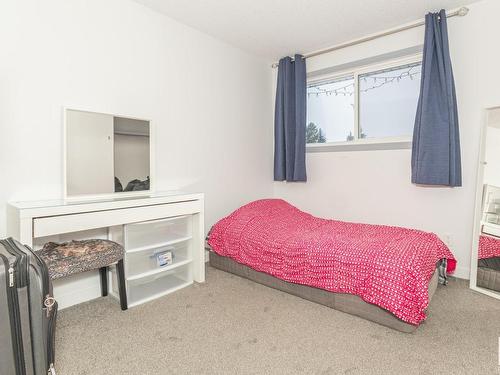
362, 145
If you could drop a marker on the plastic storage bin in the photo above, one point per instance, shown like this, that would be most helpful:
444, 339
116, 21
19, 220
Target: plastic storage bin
151, 287
156, 233
141, 262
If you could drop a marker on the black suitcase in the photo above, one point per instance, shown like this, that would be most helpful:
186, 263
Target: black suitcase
27, 312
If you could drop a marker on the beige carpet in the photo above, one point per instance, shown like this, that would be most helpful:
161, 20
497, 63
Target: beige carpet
230, 325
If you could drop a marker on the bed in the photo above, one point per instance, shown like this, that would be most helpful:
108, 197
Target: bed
488, 267
381, 273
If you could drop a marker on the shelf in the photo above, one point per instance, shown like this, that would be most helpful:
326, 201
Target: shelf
160, 269
158, 245
148, 290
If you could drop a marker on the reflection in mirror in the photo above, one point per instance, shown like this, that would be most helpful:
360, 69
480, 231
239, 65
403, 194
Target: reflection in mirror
106, 154
131, 154
488, 265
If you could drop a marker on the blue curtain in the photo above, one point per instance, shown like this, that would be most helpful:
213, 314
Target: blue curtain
290, 121
436, 142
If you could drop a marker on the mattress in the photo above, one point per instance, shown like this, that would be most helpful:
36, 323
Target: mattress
347, 303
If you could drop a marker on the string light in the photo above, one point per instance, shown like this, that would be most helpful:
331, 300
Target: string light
384, 80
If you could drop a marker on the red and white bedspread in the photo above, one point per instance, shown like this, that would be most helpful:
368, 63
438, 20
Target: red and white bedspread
388, 266
489, 247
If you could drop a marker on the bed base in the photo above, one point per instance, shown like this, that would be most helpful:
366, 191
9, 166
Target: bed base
486, 278
347, 303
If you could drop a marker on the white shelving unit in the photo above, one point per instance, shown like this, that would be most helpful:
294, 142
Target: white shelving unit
143, 224
146, 278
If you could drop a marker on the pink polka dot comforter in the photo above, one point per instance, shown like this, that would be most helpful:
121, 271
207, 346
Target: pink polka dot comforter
489, 247
388, 266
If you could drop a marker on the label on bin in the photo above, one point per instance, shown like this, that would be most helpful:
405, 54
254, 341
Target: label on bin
164, 259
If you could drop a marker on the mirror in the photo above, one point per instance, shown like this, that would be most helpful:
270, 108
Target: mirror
486, 257
106, 154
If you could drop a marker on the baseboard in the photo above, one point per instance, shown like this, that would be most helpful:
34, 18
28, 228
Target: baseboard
462, 273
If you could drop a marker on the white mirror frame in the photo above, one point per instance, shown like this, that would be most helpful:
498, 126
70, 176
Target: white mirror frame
476, 230
114, 195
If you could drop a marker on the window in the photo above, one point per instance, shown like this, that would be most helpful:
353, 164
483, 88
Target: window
330, 110
377, 103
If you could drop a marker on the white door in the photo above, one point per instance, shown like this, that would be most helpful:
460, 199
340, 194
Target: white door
89, 153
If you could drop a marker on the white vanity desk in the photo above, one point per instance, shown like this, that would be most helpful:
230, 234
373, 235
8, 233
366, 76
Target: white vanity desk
143, 224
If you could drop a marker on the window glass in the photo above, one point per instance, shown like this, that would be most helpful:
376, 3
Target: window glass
330, 111
388, 102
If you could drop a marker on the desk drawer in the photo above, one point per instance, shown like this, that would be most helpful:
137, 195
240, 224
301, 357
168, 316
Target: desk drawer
47, 226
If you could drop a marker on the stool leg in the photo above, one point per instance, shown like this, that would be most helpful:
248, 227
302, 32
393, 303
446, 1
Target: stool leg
121, 284
103, 271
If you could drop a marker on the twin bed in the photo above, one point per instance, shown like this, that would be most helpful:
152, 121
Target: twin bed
381, 273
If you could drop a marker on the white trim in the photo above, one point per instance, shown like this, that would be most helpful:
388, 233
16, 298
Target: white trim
357, 128
488, 292
152, 164
476, 230
389, 143
359, 146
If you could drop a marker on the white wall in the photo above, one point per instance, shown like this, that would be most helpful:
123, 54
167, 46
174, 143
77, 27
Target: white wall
374, 186
206, 99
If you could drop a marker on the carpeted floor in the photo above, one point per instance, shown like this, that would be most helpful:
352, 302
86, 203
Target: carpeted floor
230, 325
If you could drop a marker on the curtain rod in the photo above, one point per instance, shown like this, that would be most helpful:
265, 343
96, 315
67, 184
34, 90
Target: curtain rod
459, 12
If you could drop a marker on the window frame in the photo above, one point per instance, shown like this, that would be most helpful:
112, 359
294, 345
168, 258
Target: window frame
382, 143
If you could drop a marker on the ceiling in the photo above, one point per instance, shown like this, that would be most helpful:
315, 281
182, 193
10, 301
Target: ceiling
274, 28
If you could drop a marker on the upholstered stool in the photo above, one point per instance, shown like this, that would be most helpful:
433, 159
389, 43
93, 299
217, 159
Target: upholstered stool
74, 257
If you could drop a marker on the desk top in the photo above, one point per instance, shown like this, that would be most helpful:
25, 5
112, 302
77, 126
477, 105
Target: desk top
65, 206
